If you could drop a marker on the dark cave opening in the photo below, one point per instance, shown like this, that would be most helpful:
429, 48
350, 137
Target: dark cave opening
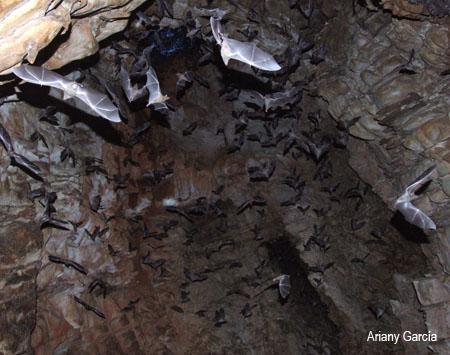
170, 229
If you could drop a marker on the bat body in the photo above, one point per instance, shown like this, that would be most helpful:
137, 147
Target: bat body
155, 98
411, 213
99, 103
244, 52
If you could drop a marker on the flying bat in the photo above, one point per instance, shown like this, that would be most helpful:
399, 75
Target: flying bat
132, 93
284, 285
411, 213
155, 98
244, 52
99, 103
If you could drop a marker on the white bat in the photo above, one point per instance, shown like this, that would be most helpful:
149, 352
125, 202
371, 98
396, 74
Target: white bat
155, 97
99, 103
411, 213
280, 99
284, 285
130, 90
244, 52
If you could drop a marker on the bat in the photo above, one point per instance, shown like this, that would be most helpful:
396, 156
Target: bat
178, 211
5, 138
155, 98
49, 116
219, 318
193, 276
190, 129
95, 203
411, 213
281, 99
260, 171
244, 52
284, 285
255, 201
407, 68
131, 92
97, 282
185, 296
26, 165
184, 82
177, 309
67, 153
67, 263
89, 308
247, 310
99, 103
377, 311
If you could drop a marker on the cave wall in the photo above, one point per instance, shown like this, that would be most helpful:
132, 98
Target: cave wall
402, 129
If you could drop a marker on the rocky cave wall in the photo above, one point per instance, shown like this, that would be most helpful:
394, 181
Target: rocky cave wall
399, 127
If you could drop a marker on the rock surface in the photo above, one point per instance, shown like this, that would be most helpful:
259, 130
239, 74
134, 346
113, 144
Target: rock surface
162, 279
71, 28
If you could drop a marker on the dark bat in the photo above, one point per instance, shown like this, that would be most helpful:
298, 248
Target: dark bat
67, 263
68, 153
178, 211
255, 201
154, 264
190, 129
26, 165
318, 55
111, 250
185, 296
165, 8
184, 82
131, 305
6, 139
407, 68
49, 116
98, 283
308, 10
95, 203
177, 309
89, 308
38, 136
247, 310
194, 277
318, 150
219, 318
260, 170
50, 222
320, 268
120, 181
411, 213
357, 224
99, 103
377, 311
97, 233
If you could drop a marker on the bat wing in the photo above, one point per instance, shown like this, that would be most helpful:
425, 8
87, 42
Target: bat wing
131, 92
216, 29
6, 139
99, 103
247, 53
41, 76
415, 216
422, 179
152, 84
284, 285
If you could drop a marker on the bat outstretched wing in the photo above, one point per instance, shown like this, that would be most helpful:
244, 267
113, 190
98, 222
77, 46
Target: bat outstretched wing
130, 91
216, 29
422, 179
41, 76
247, 53
99, 103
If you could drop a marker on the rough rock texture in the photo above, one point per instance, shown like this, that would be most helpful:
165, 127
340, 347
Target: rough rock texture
404, 120
74, 29
145, 254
